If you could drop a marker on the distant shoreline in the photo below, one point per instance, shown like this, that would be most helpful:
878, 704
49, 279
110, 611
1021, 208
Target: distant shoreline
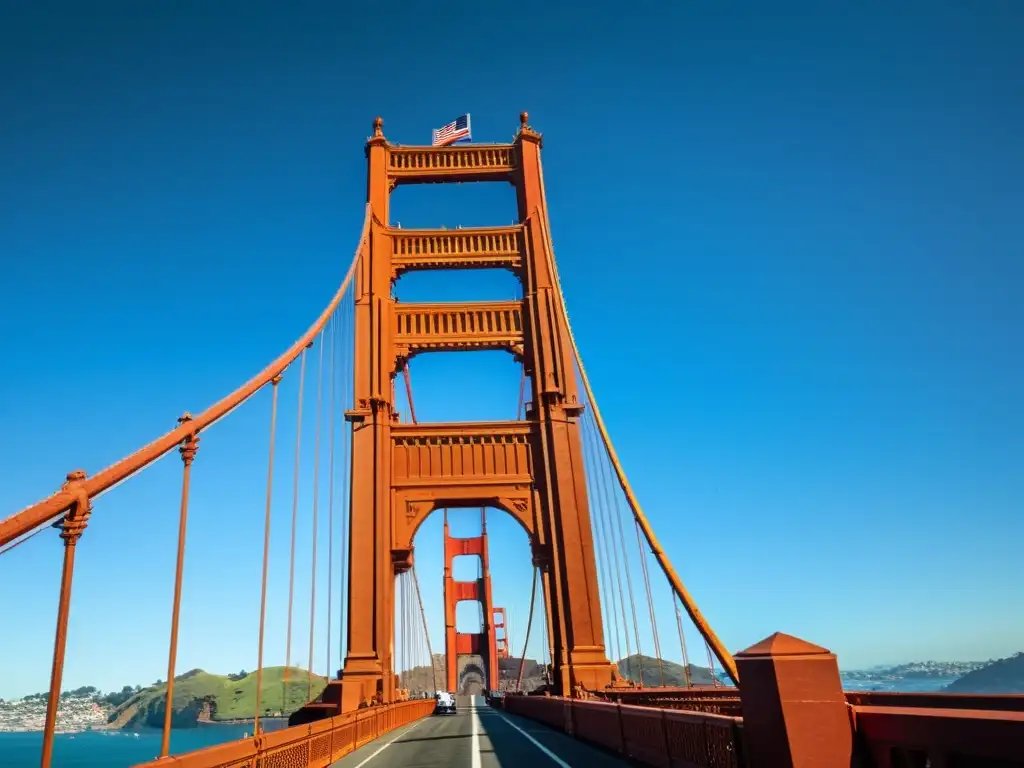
104, 727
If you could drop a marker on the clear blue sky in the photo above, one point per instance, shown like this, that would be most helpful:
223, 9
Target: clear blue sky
790, 240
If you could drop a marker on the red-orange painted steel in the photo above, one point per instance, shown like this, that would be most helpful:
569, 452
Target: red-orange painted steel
483, 643
501, 648
315, 745
891, 737
647, 735
403, 472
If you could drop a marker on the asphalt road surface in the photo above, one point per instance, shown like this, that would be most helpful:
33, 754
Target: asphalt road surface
477, 737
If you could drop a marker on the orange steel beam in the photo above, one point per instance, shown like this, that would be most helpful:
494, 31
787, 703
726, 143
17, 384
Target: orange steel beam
438, 165
453, 326
464, 248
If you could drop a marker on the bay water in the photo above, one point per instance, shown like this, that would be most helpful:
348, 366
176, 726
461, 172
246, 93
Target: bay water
110, 749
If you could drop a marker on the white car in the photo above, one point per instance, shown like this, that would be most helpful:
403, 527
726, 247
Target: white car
444, 703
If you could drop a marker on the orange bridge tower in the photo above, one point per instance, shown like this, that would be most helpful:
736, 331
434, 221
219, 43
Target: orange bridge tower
531, 468
501, 639
483, 643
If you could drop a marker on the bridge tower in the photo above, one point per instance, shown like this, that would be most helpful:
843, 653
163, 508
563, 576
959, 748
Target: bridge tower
531, 468
501, 639
483, 643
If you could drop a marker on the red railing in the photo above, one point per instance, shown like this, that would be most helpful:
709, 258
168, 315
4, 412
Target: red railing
316, 745
996, 702
908, 737
912, 731
709, 700
647, 735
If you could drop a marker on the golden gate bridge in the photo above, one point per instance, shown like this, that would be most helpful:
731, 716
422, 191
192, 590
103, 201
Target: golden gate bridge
597, 563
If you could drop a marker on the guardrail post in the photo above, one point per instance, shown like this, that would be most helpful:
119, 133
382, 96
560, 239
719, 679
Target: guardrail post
72, 526
622, 727
794, 709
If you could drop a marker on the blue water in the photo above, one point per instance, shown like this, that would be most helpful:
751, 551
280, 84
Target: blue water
109, 749
903, 685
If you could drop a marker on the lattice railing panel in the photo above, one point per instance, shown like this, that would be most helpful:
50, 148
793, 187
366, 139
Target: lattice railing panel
471, 162
497, 247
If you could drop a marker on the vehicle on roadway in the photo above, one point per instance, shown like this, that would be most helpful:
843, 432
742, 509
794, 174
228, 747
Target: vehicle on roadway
444, 703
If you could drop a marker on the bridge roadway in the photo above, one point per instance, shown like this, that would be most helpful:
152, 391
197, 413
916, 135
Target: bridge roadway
477, 737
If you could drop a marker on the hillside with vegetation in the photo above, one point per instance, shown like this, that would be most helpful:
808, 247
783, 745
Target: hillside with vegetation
648, 671
200, 696
421, 679
1000, 676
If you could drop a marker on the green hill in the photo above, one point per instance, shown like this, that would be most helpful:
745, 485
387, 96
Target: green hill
630, 668
200, 696
1001, 676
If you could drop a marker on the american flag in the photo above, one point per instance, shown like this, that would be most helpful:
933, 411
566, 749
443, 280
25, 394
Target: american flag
457, 130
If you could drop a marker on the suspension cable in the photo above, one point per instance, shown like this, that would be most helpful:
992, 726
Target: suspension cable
682, 642
21, 541
677, 585
617, 519
316, 499
330, 492
650, 603
611, 576
408, 390
295, 517
711, 665
346, 375
547, 653
529, 623
423, 618
410, 629
266, 558
47, 509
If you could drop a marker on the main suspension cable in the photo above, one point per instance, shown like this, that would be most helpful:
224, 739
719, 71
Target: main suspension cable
677, 585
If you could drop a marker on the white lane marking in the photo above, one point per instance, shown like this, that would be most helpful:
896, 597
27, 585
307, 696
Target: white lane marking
533, 741
385, 746
475, 722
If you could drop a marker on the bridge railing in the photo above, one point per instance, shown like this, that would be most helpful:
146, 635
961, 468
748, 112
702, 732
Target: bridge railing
647, 735
316, 745
709, 700
891, 737
882, 736
791, 710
